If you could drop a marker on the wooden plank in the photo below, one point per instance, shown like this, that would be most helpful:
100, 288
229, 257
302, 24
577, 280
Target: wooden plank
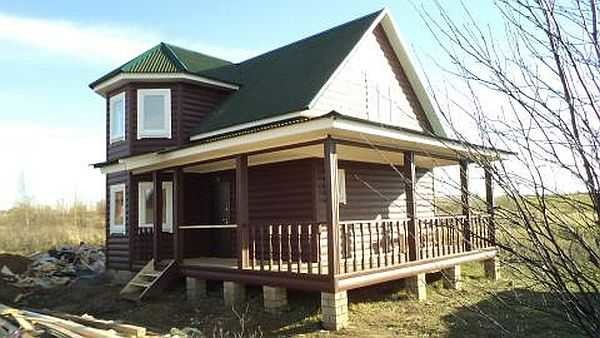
489, 198
178, 212
158, 210
411, 206
241, 181
332, 207
464, 197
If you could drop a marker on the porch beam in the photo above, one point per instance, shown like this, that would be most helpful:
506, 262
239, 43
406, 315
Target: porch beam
464, 198
332, 209
241, 181
489, 198
157, 216
411, 204
178, 205
393, 149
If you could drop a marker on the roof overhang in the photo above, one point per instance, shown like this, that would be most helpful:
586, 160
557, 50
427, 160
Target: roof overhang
332, 125
118, 80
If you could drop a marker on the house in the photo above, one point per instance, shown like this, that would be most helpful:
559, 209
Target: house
307, 167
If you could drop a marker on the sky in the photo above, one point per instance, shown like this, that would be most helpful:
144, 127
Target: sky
52, 125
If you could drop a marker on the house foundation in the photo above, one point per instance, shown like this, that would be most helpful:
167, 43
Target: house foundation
334, 308
490, 267
451, 278
417, 286
195, 288
274, 299
233, 293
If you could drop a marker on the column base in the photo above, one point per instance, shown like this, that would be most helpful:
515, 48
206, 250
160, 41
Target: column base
195, 288
417, 286
334, 308
491, 268
451, 278
233, 293
274, 299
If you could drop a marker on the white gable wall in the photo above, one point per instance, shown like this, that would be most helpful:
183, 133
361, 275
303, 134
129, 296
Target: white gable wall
372, 85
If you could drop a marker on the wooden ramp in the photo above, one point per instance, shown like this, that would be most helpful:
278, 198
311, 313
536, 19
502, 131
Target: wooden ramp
149, 280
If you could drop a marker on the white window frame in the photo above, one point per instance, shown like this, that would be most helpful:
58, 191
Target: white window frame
341, 185
117, 229
168, 188
153, 133
112, 137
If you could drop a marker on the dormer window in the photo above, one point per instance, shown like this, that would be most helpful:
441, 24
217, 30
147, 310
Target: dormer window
154, 113
117, 117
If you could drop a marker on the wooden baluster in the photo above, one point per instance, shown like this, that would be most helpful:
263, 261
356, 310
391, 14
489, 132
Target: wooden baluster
280, 244
444, 239
392, 240
370, 246
344, 240
299, 248
362, 246
289, 244
378, 244
354, 246
270, 247
310, 250
261, 243
437, 236
252, 246
385, 243
319, 266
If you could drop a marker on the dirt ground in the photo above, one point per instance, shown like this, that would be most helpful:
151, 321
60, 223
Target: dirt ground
382, 311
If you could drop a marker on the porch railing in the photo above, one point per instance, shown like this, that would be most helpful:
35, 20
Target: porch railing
298, 248
374, 244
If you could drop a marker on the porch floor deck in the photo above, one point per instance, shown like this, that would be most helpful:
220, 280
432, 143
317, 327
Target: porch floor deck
212, 262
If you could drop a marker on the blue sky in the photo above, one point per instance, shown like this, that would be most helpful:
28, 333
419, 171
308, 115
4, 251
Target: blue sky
52, 124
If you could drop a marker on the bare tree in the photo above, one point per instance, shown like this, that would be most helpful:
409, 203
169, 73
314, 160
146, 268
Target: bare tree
544, 63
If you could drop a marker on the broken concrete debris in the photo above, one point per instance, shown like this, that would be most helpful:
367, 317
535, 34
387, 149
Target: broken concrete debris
57, 266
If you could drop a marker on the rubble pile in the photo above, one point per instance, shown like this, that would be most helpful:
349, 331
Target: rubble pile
57, 266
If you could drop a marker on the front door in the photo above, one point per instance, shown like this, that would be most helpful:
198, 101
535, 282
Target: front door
222, 239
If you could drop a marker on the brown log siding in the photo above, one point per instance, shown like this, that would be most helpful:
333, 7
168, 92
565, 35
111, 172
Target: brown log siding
117, 246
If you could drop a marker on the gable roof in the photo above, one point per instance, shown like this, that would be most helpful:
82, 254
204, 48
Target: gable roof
166, 58
286, 79
280, 84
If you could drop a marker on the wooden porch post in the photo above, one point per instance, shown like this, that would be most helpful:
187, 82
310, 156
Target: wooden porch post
464, 197
332, 210
178, 201
157, 182
489, 198
411, 205
241, 200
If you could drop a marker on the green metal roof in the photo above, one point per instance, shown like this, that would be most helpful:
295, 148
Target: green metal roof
166, 58
283, 80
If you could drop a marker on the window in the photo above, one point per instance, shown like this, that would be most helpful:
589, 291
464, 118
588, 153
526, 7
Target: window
116, 117
146, 205
154, 113
117, 209
341, 186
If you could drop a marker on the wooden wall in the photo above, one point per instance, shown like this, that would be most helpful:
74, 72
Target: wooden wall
117, 246
190, 103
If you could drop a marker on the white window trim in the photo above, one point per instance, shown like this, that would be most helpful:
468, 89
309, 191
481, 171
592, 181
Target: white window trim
116, 138
118, 229
341, 178
168, 187
153, 133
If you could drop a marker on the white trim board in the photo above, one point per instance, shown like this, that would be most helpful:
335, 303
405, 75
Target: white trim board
105, 86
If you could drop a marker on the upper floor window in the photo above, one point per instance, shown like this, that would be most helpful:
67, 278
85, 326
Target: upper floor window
154, 113
117, 117
117, 209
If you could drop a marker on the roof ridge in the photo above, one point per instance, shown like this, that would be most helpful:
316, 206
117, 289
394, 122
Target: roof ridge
174, 56
170, 45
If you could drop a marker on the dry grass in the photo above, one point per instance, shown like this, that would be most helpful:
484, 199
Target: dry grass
29, 228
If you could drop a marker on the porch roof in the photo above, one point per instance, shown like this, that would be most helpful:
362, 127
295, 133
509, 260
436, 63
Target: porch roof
302, 131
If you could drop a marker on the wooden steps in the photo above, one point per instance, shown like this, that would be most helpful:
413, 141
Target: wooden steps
149, 280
